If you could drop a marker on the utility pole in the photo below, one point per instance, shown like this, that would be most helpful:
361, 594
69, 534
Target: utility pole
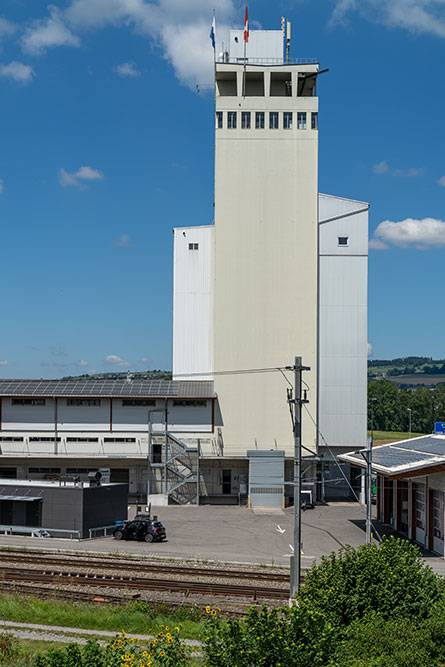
409, 415
296, 402
368, 458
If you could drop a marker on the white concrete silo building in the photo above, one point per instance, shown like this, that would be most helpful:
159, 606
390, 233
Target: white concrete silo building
281, 273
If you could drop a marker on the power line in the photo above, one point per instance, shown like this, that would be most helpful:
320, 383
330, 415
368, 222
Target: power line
340, 468
245, 371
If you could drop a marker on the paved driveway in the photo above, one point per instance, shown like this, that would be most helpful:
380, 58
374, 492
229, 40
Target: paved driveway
237, 534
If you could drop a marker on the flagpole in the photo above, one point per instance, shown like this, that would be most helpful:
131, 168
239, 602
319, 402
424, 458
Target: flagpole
244, 75
246, 37
214, 48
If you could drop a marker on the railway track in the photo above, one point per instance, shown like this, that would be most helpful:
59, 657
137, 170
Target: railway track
147, 568
101, 599
76, 578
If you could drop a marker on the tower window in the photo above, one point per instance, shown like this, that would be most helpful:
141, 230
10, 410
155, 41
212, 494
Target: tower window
245, 120
343, 240
193, 246
273, 120
287, 120
301, 120
314, 121
259, 120
219, 120
231, 120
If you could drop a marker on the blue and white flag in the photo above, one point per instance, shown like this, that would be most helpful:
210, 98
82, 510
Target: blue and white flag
213, 31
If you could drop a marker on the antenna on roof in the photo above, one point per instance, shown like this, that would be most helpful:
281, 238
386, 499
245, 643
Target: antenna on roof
285, 28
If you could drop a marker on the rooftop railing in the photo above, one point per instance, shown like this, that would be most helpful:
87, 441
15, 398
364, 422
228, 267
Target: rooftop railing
267, 61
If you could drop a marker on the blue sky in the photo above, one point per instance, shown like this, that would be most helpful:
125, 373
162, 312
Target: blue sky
106, 146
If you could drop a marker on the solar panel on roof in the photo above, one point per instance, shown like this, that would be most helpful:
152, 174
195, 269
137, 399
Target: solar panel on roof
428, 444
390, 457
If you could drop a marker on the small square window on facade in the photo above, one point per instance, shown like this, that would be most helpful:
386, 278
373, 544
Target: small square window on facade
231, 120
314, 121
301, 120
287, 120
219, 120
343, 240
245, 120
259, 120
273, 120
193, 246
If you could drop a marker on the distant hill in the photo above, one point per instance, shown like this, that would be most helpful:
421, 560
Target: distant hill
114, 375
408, 371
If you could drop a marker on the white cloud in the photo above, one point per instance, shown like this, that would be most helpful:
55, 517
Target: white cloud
380, 168
441, 181
383, 168
420, 234
17, 71
128, 69
409, 172
124, 241
114, 360
370, 350
180, 29
4, 363
51, 31
6, 28
416, 16
82, 363
146, 360
376, 244
77, 178
2, 186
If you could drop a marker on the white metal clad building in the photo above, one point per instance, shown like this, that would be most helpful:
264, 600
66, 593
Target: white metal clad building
343, 225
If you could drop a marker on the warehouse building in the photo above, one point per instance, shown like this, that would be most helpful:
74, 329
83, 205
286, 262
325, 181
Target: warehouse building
410, 487
281, 272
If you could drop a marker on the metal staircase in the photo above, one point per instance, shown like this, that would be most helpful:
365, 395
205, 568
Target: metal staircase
174, 469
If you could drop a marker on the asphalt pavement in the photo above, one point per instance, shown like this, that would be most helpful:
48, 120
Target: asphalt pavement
237, 534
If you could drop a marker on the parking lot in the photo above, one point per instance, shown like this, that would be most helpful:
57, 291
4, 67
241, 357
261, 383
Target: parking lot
236, 534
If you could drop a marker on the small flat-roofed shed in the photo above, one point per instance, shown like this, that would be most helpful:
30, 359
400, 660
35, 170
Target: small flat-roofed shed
410, 487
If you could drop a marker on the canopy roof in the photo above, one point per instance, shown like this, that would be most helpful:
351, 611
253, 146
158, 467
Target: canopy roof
407, 458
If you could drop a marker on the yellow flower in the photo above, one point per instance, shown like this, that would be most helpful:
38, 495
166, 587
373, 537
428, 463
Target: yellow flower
162, 653
160, 634
177, 629
213, 612
208, 609
123, 635
167, 628
170, 640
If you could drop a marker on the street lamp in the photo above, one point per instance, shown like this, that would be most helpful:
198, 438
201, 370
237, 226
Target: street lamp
409, 414
372, 420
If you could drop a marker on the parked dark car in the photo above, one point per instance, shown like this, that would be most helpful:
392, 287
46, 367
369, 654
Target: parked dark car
144, 529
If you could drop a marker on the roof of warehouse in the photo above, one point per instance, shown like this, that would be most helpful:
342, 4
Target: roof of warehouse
406, 456
109, 388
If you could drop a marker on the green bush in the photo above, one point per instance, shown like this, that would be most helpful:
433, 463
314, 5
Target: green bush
390, 579
375, 605
8, 649
376, 642
269, 638
165, 650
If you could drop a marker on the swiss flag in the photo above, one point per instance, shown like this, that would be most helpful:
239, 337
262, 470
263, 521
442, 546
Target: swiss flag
246, 27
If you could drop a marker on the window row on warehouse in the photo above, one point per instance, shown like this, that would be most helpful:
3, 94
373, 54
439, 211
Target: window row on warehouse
274, 120
96, 402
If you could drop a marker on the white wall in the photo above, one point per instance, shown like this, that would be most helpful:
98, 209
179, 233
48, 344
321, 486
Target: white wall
343, 322
193, 278
265, 265
125, 419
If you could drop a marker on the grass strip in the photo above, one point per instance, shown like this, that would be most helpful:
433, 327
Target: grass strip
135, 617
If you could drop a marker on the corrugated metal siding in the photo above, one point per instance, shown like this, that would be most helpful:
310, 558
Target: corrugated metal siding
193, 303
343, 324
